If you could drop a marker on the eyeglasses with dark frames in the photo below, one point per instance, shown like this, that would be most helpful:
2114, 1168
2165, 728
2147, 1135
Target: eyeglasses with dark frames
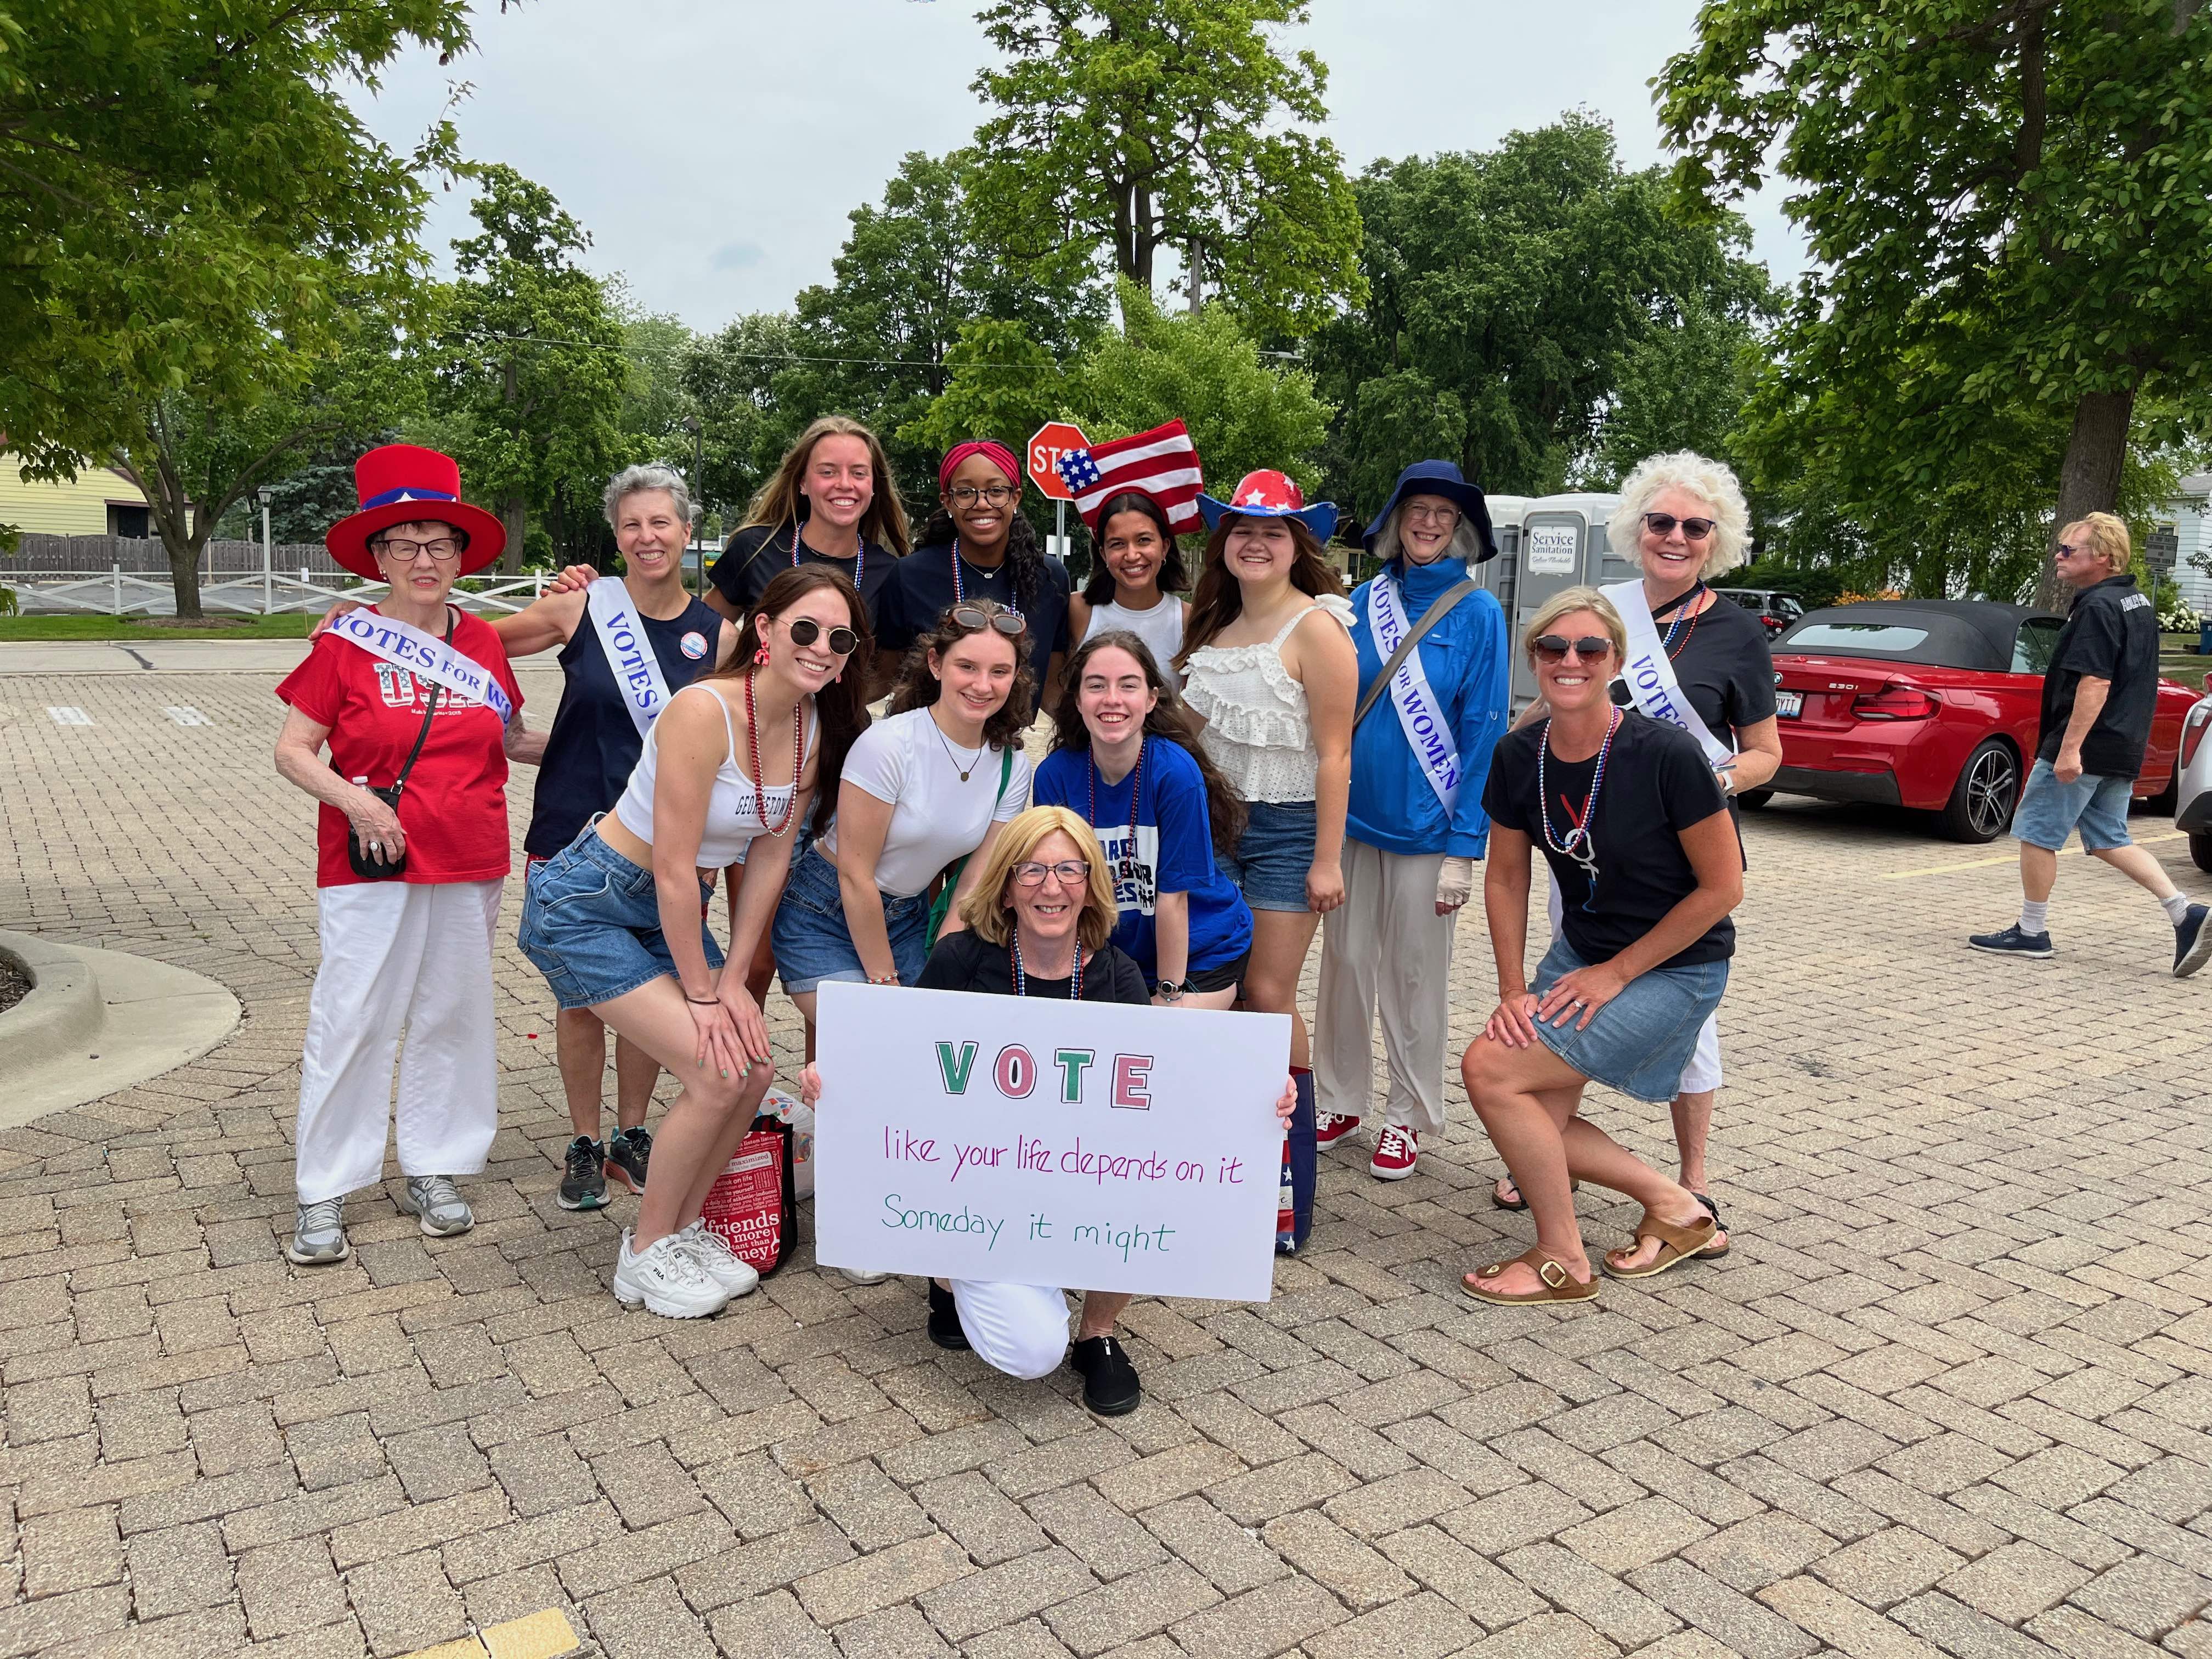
1553, 647
443, 550
997, 495
1071, 872
1662, 523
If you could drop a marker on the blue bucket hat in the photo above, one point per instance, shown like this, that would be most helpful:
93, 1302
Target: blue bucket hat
1444, 479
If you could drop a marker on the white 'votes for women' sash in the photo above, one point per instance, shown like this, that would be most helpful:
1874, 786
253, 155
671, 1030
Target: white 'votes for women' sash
426, 656
1650, 675
1410, 694
629, 654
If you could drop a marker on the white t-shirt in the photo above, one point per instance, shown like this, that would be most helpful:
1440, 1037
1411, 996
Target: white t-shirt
908, 761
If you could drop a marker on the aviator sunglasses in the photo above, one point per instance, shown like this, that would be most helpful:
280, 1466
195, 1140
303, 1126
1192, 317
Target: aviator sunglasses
975, 619
1553, 647
805, 630
1662, 523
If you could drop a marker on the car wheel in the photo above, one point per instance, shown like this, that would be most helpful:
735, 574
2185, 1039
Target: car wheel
2200, 848
1980, 808
1751, 799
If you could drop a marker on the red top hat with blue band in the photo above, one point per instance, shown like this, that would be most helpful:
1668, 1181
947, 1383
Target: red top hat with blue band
1266, 495
404, 483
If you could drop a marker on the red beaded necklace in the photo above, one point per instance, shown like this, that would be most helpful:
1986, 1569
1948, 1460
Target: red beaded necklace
798, 759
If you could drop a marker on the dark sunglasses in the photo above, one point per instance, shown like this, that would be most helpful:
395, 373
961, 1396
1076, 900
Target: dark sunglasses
844, 642
1662, 523
1553, 647
975, 619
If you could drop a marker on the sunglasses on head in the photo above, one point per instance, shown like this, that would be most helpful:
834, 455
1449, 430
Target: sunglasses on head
974, 618
805, 630
1662, 523
1553, 647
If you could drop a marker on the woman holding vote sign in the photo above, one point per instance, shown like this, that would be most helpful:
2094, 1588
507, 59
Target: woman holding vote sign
1040, 919
422, 715
617, 920
1701, 663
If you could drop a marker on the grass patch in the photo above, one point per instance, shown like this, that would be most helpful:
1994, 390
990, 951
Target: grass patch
294, 627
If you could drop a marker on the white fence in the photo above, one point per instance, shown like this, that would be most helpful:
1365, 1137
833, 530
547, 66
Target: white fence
116, 592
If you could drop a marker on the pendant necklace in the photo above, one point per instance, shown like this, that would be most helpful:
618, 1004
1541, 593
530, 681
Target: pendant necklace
1126, 868
798, 761
960, 588
860, 557
1022, 979
1575, 842
950, 755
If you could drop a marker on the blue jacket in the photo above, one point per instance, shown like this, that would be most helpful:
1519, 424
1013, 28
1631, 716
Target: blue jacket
1392, 805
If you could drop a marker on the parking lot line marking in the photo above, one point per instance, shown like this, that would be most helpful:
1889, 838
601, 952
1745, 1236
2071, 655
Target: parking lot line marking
67, 714
2008, 858
186, 714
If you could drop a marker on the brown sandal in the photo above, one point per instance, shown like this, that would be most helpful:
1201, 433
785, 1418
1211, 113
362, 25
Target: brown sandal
1555, 1283
1676, 1245
1519, 1204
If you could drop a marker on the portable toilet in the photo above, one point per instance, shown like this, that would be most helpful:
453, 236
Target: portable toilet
1558, 542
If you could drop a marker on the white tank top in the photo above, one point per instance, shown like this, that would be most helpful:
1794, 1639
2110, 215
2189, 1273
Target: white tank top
1256, 728
734, 810
1160, 628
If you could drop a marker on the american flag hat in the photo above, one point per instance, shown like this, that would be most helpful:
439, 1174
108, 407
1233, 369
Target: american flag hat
1270, 494
1161, 464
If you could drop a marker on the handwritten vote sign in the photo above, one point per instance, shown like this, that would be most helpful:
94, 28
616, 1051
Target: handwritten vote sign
1092, 1146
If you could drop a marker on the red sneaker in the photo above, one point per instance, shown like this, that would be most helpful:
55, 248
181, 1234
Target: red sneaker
1332, 1126
1395, 1151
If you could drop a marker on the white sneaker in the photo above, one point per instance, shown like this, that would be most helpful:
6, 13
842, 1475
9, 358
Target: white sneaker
856, 1276
718, 1260
666, 1278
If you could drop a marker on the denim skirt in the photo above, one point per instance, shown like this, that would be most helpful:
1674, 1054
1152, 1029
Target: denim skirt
812, 943
1273, 854
591, 923
1640, 1042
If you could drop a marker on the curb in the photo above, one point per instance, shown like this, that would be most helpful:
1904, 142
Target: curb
62, 1010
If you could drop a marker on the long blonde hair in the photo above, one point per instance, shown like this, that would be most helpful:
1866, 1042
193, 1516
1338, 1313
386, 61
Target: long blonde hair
985, 909
778, 503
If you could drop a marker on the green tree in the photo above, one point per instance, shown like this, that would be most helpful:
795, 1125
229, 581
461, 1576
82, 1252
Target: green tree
755, 393
1129, 125
2008, 204
1517, 299
534, 364
190, 209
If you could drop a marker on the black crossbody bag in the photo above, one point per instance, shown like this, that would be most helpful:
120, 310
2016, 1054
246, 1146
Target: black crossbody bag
380, 868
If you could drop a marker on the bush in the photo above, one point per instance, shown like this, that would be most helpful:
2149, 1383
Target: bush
2176, 617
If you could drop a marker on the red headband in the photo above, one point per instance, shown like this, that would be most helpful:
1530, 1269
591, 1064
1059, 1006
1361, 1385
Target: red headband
998, 454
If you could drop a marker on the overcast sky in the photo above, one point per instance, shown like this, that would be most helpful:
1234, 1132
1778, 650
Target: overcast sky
713, 148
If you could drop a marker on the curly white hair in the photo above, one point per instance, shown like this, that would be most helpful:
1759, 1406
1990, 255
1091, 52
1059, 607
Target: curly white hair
1710, 481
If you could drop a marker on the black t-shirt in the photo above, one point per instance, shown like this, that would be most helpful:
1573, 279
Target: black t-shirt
2111, 636
922, 588
1656, 785
757, 555
1725, 668
963, 962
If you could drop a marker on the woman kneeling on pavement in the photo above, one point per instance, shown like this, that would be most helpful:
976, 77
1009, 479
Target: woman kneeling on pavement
1638, 839
1040, 922
422, 714
617, 921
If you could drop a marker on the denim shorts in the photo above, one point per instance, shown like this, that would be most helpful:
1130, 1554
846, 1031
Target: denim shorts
1272, 859
812, 943
2098, 806
591, 923
1640, 1042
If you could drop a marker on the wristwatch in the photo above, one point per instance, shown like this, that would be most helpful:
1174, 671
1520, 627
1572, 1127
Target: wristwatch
1172, 990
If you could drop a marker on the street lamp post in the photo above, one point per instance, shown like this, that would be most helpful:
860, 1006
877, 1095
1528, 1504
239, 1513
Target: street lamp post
262, 494
698, 496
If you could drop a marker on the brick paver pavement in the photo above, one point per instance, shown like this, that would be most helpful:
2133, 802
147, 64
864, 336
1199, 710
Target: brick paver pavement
1952, 1391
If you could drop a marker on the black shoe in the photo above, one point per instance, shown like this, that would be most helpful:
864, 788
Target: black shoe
627, 1153
2012, 943
2192, 942
585, 1186
1111, 1387
945, 1319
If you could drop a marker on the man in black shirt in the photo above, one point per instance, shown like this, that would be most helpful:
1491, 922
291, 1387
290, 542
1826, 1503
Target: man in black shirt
2097, 697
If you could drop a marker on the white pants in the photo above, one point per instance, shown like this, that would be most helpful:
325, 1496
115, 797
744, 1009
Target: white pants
394, 954
1019, 1330
1703, 1072
1386, 946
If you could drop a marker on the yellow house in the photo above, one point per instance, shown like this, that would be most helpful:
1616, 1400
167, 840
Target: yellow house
100, 503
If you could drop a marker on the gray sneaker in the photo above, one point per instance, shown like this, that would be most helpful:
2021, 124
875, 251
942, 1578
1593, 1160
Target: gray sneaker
319, 1234
443, 1211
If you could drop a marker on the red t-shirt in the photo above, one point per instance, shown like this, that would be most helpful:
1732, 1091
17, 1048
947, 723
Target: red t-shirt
454, 807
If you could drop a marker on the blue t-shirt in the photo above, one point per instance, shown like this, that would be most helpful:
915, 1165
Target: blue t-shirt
1172, 852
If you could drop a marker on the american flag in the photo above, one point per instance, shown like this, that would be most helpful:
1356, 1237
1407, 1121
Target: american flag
1162, 462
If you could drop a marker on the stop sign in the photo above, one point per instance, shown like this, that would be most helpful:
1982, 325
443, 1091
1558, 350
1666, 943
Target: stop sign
1048, 443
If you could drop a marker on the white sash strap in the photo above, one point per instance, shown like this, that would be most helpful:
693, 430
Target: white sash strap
629, 654
1425, 728
1650, 675
426, 656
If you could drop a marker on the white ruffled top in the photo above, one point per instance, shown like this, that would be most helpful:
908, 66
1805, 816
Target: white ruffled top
1256, 728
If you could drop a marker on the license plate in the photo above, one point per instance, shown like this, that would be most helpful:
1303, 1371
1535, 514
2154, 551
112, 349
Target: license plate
1789, 704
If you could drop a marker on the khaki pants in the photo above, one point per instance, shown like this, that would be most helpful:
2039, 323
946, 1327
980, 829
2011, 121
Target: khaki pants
1386, 946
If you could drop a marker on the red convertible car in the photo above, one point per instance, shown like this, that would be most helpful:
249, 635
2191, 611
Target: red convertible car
1931, 704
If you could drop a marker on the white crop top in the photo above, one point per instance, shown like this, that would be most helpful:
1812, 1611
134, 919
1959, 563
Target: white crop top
1160, 628
1256, 728
734, 811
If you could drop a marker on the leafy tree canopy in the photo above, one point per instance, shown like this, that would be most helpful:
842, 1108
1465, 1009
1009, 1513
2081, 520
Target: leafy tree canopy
1127, 126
